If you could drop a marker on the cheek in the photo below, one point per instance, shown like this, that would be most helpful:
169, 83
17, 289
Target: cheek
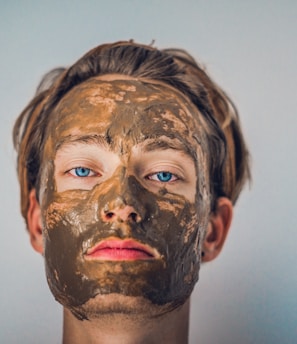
181, 228
179, 231
65, 232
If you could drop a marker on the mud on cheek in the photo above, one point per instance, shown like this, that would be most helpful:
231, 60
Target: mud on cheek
172, 227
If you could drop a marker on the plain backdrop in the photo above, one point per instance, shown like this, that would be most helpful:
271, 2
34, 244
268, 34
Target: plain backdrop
247, 295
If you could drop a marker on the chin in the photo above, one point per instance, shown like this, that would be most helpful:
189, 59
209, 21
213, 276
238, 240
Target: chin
114, 305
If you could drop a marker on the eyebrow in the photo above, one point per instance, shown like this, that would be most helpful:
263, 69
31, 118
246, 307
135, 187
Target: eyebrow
148, 144
84, 139
169, 143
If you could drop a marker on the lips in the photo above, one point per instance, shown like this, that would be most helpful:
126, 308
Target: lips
117, 250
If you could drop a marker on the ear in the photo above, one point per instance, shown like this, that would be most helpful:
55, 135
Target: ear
217, 229
34, 222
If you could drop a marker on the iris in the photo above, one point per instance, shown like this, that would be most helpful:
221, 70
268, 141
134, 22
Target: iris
164, 176
82, 171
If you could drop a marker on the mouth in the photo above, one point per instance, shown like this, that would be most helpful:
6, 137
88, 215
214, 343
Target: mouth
114, 249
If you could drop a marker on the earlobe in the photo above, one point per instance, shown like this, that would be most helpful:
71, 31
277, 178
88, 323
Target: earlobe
217, 230
34, 222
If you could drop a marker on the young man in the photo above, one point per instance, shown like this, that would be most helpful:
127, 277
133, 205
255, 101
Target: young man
129, 162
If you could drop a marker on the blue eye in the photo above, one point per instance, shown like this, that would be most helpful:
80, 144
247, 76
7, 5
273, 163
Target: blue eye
163, 177
82, 171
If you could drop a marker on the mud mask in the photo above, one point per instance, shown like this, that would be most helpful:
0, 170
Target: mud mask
130, 126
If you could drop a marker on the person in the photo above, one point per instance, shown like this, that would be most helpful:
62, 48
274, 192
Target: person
129, 163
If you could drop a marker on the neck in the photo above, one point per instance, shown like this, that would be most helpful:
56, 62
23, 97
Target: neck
171, 327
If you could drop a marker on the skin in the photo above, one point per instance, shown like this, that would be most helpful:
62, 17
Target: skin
125, 132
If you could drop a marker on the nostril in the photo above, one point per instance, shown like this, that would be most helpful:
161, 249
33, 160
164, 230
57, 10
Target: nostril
108, 216
127, 213
133, 217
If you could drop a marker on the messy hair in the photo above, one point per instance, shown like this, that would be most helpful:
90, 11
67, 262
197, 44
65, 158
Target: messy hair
229, 158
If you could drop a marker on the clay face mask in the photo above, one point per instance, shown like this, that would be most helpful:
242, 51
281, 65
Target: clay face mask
124, 194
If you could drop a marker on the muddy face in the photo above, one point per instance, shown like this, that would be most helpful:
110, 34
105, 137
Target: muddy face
116, 145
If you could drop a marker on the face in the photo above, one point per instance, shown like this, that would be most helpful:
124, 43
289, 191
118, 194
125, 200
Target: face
124, 194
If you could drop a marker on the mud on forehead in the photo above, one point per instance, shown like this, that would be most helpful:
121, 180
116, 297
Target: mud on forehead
126, 90
127, 98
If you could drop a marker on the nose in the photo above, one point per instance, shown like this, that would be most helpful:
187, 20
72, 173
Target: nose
120, 203
124, 213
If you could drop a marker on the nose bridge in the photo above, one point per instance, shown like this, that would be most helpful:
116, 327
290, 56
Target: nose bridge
122, 193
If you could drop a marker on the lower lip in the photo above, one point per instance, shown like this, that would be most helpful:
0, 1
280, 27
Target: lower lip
119, 254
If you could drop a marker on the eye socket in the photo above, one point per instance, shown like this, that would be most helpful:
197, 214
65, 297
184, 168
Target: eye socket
163, 177
82, 172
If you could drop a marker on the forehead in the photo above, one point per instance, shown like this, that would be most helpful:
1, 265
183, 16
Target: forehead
117, 108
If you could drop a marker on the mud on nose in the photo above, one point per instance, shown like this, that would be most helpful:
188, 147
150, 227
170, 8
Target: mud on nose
121, 214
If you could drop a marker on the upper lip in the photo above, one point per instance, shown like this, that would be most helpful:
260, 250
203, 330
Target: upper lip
117, 243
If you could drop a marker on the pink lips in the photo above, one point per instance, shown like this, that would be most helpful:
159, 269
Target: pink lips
117, 249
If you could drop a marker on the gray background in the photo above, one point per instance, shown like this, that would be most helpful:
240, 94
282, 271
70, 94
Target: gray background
247, 295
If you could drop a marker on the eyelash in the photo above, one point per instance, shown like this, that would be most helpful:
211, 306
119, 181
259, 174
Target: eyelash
163, 174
